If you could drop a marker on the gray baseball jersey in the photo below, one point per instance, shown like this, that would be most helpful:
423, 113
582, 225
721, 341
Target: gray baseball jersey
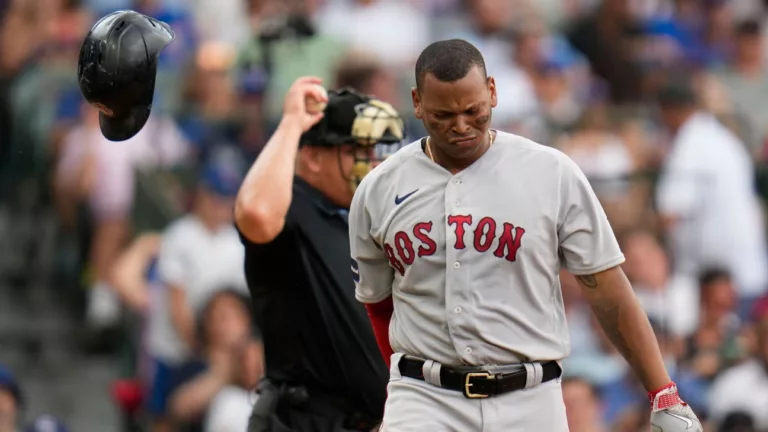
472, 260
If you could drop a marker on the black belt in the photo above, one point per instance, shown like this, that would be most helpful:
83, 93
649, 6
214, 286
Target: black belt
476, 383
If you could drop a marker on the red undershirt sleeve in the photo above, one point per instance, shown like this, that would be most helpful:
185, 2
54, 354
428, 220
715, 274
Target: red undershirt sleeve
380, 314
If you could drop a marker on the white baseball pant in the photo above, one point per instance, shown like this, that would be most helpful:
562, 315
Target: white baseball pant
416, 406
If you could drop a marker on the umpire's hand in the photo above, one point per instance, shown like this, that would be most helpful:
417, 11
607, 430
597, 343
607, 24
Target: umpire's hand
670, 414
295, 104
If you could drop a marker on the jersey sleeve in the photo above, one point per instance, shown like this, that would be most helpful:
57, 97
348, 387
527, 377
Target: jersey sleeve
587, 242
371, 271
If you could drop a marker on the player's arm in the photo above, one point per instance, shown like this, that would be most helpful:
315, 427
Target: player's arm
265, 195
371, 271
590, 252
624, 321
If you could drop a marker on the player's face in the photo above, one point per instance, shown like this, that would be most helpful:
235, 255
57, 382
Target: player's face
456, 115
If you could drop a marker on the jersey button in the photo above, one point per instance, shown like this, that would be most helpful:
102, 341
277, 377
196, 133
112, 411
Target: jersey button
468, 350
457, 203
457, 181
456, 265
458, 309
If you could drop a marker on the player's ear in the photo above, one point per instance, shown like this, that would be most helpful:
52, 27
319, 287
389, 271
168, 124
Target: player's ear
416, 103
492, 91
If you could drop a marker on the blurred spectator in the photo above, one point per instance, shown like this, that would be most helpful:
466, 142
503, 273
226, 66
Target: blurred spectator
366, 73
606, 39
222, 21
200, 253
582, 405
177, 54
131, 273
746, 83
707, 199
287, 45
717, 343
377, 25
600, 364
100, 175
10, 401
222, 394
647, 268
46, 423
601, 155
209, 115
744, 388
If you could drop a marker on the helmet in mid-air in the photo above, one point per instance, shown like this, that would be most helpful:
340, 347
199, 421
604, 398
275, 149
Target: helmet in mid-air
117, 69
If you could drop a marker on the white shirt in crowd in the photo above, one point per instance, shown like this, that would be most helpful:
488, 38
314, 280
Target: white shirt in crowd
741, 388
378, 27
230, 410
708, 184
200, 262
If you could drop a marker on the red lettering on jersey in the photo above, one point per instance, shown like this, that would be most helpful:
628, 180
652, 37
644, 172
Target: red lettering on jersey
460, 221
397, 265
421, 231
404, 247
485, 232
509, 242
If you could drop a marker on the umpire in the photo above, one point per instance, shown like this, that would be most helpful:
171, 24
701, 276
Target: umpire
324, 372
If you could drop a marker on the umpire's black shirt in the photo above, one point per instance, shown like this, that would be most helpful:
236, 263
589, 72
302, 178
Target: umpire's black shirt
314, 331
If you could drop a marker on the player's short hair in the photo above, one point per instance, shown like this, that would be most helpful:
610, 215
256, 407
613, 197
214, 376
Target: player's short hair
448, 61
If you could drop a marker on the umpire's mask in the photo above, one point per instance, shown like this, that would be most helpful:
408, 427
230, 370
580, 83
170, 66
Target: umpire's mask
117, 68
373, 126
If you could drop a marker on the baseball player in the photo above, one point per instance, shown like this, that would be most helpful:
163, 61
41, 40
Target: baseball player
457, 241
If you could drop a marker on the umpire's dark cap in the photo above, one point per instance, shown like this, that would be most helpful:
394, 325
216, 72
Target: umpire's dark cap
117, 70
357, 119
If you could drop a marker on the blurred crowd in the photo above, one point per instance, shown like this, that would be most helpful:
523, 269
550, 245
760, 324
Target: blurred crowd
146, 251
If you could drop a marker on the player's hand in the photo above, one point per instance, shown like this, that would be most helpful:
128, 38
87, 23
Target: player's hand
295, 106
670, 414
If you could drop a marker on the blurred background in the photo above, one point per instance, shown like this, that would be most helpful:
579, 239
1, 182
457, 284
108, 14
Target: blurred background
87, 340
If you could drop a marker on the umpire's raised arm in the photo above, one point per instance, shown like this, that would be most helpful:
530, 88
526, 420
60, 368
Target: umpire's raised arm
266, 193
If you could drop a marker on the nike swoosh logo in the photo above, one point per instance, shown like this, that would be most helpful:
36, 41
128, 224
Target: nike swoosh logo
687, 421
400, 199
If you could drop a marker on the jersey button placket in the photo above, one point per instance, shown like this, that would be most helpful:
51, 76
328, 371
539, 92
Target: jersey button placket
452, 279
456, 293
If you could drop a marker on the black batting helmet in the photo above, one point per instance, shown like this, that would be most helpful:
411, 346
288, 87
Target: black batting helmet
117, 68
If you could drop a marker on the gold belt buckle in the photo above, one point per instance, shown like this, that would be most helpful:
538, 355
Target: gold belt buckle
468, 384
